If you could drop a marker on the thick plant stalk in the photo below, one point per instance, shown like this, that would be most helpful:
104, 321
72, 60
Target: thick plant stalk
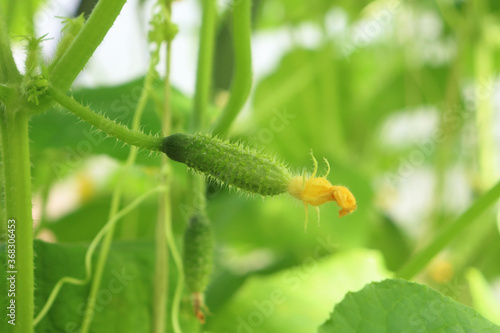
17, 175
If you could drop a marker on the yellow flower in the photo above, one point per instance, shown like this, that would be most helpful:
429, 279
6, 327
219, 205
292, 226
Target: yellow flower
316, 191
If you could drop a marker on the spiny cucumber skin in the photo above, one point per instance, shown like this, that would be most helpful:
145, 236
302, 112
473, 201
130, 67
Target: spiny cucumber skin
229, 163
198, 252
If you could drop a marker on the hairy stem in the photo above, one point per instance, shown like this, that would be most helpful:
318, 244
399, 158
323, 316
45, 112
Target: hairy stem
131, 137
17, 176
421, 259
242, 79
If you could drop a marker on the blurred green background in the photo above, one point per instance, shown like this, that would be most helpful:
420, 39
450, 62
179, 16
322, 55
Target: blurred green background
402, 99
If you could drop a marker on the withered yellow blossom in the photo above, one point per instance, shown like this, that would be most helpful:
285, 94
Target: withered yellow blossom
316, 191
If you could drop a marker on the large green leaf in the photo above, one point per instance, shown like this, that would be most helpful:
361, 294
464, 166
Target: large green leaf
124, 300
402, 306
297, 299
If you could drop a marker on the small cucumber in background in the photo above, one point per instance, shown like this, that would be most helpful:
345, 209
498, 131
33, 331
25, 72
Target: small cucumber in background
198, 260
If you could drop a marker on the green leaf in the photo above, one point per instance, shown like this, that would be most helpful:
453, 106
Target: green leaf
124, 300
402, 306
297, 12
295, 300
336, 105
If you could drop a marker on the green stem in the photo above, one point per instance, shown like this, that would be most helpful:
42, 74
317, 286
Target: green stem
164, 220
101, 262
165, 223
85, 43
161, 263
421, 259
205, 63
242, 79
176, 302
17, 174
134, 138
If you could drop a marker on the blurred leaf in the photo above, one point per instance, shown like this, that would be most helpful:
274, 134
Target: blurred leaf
297, 299
276, 13
320, 100
483, 296
298, 106
402, 306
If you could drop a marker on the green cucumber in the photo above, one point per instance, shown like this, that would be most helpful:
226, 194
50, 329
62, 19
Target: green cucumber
229, 163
